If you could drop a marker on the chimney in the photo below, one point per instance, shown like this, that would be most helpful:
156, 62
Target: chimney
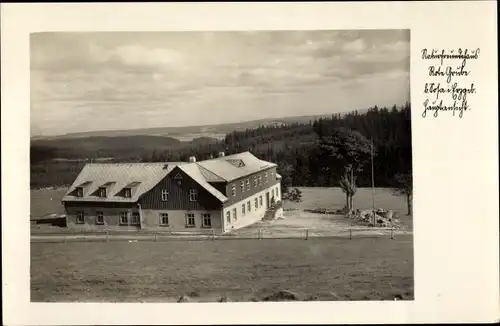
192, 159
221, 154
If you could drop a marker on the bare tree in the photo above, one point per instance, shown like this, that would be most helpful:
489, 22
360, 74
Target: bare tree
404, 186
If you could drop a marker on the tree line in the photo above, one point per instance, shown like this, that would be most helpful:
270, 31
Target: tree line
327, 152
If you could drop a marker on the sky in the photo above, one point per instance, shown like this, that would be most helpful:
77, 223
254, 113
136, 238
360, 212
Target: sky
128, 80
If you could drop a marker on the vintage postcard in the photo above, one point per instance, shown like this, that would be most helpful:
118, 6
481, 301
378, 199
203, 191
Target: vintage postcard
262, 162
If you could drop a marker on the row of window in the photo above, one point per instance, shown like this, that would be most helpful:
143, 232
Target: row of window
256, 181
247, 207
135, 219
193, 195
101, 192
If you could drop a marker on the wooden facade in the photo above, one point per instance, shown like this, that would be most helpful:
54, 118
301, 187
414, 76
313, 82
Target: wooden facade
178, 186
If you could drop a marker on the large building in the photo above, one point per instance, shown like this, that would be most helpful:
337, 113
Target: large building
220, 194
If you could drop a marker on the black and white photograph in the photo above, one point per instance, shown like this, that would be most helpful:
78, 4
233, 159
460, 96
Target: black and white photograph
224, 166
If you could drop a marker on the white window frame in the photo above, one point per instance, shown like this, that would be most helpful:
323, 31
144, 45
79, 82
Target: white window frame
249, 206
272, 193
80, 217
162, 216
193, 195
121, 215
259, 180
260, 200
100, 192
99, 215
79, 192
265, 177
277, 192
228, 216
233, 190
164, 195
255, 181
206, 216
243, 209
235, 214
135, 219
248, 184
242, 185
188, 217
127, 193
256, 200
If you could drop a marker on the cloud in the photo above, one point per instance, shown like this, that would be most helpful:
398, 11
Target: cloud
176, 78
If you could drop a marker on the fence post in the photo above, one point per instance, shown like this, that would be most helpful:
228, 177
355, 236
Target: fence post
392, 235
213, 234
307, 234
259, 232
107, 236
350, 234
155, 236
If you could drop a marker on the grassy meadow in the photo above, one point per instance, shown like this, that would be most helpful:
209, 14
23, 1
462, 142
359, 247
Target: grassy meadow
240, 270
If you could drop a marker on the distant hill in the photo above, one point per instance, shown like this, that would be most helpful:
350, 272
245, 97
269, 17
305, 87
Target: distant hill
187, 133
99, 147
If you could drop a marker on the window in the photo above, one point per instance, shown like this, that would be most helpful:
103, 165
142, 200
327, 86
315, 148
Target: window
102, 192
277, 191
272, 193
243, 209
256, 203
259, 180
228, 216
249, 206
207, 220
248, 184
123, 218
260, 200
235, 214
233, 190
100, 218
190, 220
164, 219
242, 185
193, 195
271, 175
136, 218
255, 181
80, 218
127, 193
164, 195
265, 177
79, 192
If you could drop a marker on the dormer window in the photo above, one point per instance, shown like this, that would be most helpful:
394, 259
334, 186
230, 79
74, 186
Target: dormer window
102, 192
127, 192
79, 192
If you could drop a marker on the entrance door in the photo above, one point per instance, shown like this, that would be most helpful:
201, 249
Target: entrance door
267, 200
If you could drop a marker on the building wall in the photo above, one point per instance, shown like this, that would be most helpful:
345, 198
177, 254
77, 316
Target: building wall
252, 216
178, 198
239, 195
111, 212
177, 220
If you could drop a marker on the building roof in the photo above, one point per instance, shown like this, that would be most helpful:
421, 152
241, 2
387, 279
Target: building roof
235, 166
194, 172
142, 177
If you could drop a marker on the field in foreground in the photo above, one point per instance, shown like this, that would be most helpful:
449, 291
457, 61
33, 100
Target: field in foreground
241, 270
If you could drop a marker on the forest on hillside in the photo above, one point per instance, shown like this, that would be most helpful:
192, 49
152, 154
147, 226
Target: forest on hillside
317, 153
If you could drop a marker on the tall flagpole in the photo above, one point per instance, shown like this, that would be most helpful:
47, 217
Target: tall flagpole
373, 182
